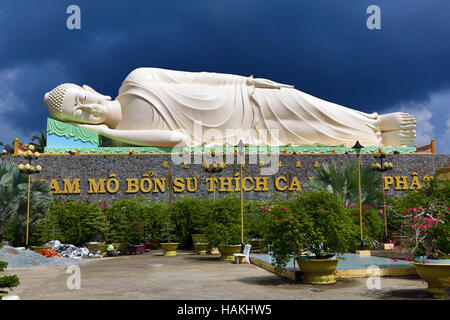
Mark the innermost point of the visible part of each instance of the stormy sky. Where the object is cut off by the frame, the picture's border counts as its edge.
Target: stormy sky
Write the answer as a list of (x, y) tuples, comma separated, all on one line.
[(322, 47)]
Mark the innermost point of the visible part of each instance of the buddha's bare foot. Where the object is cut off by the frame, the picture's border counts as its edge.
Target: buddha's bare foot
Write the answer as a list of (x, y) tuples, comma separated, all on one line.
[(398, 138), (397, 121)]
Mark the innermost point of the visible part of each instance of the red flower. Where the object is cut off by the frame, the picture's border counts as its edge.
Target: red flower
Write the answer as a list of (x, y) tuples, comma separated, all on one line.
[(284, 208), (282, 219)]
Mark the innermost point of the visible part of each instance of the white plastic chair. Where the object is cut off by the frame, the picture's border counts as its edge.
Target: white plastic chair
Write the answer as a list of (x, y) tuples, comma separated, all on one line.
[(244, 255)]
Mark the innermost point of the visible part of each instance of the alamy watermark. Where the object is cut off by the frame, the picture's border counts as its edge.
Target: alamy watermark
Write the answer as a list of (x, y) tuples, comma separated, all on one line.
[(374, 20), (73, 22), (74, 281), (374, 279)]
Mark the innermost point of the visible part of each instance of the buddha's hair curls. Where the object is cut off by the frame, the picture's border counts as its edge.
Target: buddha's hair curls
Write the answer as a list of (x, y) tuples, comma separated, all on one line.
[(55, 98)]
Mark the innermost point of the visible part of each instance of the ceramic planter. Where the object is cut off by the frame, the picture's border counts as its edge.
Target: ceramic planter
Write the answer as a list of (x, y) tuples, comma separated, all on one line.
[(121, 247), (3, 293), (432, 272), (156, 243), (196, 237), (200, 247), (226, 252), (170, 248), (318, 271), (135, 249), (148, 246), (94, 247)]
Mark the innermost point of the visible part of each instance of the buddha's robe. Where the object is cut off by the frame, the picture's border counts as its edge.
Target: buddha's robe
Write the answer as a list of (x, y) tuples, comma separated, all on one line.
[(223, 102)]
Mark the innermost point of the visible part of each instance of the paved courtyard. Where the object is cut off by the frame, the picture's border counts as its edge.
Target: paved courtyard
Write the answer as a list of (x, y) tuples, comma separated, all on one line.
[(190, 276)]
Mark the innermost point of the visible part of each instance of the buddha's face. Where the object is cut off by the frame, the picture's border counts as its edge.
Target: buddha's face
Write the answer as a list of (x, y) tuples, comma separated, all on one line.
[(81, 105)]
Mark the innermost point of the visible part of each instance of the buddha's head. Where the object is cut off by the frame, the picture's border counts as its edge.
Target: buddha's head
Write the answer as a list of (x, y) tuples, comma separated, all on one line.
[(72, 103)]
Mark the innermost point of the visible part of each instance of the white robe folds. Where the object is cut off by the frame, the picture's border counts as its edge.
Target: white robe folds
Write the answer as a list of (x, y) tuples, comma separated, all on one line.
[(258, 111)]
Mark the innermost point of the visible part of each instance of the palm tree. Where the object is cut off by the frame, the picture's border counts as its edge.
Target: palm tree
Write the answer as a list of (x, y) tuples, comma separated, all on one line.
[(14, 197), (9, 149), (42, 141), (343, 181)]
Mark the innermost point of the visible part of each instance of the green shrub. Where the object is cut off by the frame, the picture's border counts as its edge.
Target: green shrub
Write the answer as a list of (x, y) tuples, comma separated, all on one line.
[(373, 223), (73, 221), (188, 216), (7, 281), (422, 220), (254, 218), (125, 221), (224, 223), (315, 222), (154, 219)]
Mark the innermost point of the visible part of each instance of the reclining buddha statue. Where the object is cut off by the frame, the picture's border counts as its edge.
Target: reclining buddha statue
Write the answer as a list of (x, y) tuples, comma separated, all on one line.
[(158, 107)]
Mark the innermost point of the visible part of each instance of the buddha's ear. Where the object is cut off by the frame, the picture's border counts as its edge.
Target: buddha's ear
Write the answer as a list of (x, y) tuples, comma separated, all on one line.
[(86, 87)]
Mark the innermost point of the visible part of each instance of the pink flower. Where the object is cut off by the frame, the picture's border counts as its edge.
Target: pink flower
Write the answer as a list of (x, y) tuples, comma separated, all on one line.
[(381, 211), (390, 241), (284, 208), (385, 205), (282, 219), (426, 261), (366, 228), (395, 260)]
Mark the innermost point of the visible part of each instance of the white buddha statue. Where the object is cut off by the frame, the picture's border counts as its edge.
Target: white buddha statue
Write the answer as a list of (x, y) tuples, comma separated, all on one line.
[(158, 107)]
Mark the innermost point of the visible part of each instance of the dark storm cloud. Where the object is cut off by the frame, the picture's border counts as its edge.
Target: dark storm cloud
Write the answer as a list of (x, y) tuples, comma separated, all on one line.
[(321, 46)]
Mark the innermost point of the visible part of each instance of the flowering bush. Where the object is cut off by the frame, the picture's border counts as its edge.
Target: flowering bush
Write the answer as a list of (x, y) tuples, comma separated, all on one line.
[(312, 222), (425, 230), (422, 220)]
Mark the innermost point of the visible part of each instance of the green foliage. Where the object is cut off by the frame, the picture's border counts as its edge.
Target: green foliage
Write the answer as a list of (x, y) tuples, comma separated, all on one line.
[(155, 220), (254, 217), (224, 223), (14, 199), (74, 221), (125, 221), (41, 141), (343, 181), (422, 220), (7, 281), (188, 216), (315, 222), (372, 221)]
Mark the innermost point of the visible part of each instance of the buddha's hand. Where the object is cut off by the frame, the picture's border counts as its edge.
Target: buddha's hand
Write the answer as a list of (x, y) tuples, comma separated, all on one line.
[(99, 128)]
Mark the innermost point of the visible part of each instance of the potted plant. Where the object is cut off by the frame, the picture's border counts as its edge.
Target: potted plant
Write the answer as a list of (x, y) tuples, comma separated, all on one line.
[(169, 246), (154, 219), (135, 235), (223, 229), (7, 281), (426, 235), (313, 227)]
